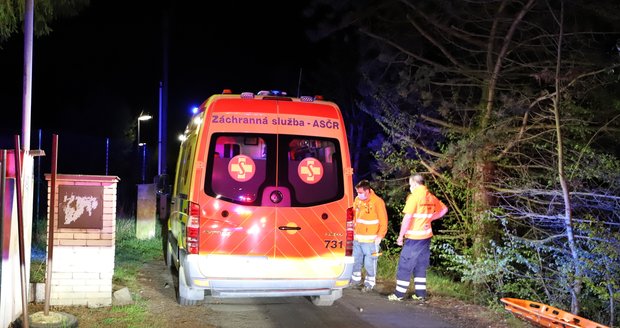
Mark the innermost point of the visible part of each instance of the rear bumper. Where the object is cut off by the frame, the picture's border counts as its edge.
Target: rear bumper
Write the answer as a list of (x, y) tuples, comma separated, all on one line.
[(247, 284), (270, 288)]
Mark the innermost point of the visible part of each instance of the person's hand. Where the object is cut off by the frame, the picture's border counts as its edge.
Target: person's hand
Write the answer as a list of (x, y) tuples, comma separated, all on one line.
[(399, 241)]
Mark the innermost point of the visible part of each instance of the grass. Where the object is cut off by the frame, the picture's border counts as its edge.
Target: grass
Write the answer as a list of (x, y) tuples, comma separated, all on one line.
[(39, 253), (437, 285), (127, 316), (387, 266), (130, 253), (37, 271)]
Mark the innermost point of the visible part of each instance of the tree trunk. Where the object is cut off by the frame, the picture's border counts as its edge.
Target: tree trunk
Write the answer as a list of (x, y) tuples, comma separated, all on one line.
[(575, 287)]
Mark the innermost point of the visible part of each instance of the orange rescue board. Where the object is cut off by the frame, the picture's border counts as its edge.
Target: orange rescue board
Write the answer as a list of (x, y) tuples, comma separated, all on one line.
[(543, 315)]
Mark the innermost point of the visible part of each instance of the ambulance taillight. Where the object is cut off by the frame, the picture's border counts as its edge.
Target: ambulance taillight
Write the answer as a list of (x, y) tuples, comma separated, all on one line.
[(350, 230), (193, 228)]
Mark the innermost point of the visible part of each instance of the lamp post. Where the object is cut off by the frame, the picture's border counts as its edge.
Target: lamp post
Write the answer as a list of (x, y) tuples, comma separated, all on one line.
[(142, 117)]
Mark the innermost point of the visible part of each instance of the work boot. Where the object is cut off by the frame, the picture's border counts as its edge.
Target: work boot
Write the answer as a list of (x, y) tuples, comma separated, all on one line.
[(393, 297), (356, 286), (419, 299), (366, 289)]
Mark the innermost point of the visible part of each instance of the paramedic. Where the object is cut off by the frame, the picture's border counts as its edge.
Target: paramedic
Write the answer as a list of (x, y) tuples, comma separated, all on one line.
[(370, 228), (421, 208)]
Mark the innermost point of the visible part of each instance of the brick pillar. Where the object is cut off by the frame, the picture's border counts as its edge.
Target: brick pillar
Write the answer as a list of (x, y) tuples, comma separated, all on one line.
[(84, 235)]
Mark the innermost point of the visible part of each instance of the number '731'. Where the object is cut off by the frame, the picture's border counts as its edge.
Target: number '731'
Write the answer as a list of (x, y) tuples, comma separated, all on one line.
[(333, 243)]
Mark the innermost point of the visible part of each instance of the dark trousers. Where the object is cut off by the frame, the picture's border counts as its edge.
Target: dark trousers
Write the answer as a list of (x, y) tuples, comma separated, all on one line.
[(414, 260)]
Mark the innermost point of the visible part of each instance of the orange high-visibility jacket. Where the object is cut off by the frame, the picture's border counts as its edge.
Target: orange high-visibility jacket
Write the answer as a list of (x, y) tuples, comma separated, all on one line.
[(370, 218), (422, 205)]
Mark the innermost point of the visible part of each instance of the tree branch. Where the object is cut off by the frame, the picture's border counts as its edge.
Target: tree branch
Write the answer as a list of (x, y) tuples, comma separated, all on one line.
[(499, 61)]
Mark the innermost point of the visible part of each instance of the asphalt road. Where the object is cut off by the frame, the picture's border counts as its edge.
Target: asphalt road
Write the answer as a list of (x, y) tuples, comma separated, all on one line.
[(354, 309)]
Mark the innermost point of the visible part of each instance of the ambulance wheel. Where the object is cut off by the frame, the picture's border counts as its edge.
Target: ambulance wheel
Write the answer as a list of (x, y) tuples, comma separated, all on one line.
[(185, 294), (326, 300)]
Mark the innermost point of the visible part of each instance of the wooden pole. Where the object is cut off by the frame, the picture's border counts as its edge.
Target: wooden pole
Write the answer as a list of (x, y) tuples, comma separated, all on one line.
[(50, 233)]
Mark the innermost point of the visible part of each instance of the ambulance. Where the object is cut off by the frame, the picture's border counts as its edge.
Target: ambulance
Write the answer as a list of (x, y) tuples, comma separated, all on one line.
[(261, 204)]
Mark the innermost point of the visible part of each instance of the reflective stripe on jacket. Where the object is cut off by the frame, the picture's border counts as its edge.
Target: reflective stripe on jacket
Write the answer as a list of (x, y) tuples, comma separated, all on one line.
[(370, 218), (422, 205)]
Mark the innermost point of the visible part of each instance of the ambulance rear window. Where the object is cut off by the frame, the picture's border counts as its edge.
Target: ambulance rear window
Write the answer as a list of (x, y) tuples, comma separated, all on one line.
[(241, 166)]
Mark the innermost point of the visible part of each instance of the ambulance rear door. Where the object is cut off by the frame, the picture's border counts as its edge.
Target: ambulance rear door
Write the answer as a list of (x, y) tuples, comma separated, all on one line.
[(311, 224)]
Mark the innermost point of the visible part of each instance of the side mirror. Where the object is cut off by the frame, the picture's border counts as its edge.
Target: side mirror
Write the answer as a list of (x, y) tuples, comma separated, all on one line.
[(162, 185), (162, 190)]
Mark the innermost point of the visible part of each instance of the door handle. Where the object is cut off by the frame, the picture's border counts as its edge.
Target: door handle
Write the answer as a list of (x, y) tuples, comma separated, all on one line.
[(289, 228)]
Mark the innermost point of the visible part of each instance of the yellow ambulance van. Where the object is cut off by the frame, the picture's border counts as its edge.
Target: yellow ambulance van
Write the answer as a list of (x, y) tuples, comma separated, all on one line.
[(262, 200)]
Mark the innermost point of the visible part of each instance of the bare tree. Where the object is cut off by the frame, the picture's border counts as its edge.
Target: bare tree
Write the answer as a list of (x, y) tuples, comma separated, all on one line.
[(575, 287), (496, 100)]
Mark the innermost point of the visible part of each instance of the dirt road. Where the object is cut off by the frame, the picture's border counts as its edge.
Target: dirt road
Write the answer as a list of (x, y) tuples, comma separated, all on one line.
[(354, 309)]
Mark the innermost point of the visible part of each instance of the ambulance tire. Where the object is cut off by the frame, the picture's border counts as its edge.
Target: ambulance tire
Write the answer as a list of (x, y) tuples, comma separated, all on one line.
[(185, 294), (326, 300)]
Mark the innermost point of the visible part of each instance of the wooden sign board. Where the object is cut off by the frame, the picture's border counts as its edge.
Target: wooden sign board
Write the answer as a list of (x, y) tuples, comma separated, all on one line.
[(80, 207)]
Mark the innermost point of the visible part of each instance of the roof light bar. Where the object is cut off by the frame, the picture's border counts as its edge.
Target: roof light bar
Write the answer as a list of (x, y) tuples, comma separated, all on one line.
[(276, 93), (247, 95)]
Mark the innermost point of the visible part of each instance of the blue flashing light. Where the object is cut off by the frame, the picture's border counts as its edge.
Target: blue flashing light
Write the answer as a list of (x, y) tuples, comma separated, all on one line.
[(194, 110)]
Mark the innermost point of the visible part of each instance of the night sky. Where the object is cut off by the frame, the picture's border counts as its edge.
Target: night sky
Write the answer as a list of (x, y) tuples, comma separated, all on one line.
[(96, 72)]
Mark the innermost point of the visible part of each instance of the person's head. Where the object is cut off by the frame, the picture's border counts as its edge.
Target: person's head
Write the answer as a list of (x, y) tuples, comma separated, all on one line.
[(415, 180), (363, 189)]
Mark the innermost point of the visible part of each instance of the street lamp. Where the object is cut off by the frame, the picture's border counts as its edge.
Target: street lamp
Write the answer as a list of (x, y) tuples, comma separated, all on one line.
[(143, 117)]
